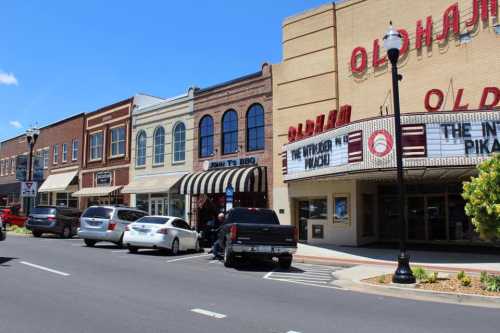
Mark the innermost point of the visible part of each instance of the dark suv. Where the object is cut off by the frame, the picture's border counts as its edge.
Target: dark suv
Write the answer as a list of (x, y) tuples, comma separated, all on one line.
[(61, 221)]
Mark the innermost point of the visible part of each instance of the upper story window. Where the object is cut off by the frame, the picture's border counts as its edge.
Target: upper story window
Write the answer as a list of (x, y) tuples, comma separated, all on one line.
[(2, 164), (74, 149), (95, 146), (159, 146), (117, 141), (55, 154), (140, 149), (255, 128), (230, 132), (179, 142), (64, 152), (45, 158), (13, 166), (206, 144)]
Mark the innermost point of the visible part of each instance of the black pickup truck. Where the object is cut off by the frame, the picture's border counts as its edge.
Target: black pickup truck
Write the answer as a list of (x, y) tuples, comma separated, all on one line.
[(256, 233)]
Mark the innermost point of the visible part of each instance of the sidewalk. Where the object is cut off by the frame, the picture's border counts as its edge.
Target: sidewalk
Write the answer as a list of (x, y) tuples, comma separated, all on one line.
[(448, 261)]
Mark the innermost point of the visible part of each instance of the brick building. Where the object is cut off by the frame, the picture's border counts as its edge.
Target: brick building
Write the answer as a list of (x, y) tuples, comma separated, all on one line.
[(58, 154), (232, 146), (107, 152)]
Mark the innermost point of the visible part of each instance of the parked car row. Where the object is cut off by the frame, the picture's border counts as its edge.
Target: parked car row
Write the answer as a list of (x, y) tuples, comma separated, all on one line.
[(245, 233)]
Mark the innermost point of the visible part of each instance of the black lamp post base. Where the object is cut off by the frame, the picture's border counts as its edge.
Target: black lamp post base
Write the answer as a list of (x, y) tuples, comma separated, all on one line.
[(403, 273)]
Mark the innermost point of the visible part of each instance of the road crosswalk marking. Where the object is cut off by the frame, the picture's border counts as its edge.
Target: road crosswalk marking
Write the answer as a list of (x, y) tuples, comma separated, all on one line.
[(305, 274)]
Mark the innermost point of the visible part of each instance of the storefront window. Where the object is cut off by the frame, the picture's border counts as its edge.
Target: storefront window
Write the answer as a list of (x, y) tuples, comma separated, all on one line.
[(142, 202), (43, 198), (341, 209), (318, 209), (177, 205), (66, 200)]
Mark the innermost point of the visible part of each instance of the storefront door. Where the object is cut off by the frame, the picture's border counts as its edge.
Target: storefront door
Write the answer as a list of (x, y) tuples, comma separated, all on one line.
[(416, 218), (303, 208), (158, 206), (436, 217)]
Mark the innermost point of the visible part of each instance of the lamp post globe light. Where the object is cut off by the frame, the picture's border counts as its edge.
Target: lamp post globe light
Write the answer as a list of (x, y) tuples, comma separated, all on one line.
[(392, 43), (31, 137)]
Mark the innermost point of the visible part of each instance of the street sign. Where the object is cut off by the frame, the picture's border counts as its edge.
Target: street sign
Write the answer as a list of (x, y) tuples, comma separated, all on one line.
[(29, 189), (21, 167), (229, 197)]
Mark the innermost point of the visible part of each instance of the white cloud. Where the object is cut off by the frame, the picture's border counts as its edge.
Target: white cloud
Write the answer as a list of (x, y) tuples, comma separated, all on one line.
[(15, 124), (7, 79)]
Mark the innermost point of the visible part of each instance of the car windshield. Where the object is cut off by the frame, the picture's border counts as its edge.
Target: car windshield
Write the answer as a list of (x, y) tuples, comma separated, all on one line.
[(253, 216), (43, 211), (98, 212), (152, 220)]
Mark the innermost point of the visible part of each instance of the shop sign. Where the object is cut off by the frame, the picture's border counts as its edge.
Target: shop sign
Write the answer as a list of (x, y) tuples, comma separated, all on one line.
[(38, 168), (29, 189), (243, 161), (313, 127), (104, 178), (451, 21), (480, 138), (434, 99)]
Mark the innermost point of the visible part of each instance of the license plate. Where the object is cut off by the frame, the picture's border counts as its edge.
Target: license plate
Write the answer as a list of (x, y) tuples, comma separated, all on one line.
[(263, 248)]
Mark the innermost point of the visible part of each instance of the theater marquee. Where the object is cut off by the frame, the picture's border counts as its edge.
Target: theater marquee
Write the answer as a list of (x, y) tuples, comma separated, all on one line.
[(429, 140)]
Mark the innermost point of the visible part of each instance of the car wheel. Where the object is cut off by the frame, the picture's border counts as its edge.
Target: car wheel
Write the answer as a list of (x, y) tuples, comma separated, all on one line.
[(66, 232), (36, 233), (132, 249), (228, 258), (285, 263), (120, 242), (175, 247), (89, 242)]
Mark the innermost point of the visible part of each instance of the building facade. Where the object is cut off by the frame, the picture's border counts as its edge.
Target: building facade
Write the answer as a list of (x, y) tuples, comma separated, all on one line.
[(162, 152), (232, 152), (107, 152), (57, 158), (334, 124)]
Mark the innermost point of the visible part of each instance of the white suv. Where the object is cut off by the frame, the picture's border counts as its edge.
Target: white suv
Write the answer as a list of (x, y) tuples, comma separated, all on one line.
[(106, 223)]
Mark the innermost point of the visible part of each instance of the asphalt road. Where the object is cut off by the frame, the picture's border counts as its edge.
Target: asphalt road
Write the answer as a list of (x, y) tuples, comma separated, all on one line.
[(54, 285)]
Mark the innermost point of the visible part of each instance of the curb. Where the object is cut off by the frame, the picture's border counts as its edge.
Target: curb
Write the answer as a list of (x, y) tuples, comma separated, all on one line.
[(427, 295), (329, 261)]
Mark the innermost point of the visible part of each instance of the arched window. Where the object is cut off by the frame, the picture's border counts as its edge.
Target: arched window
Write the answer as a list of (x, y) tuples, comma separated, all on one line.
[(230, 132), (206, 136), (159, 146), (255, 128), (179, 142), (140, 158)]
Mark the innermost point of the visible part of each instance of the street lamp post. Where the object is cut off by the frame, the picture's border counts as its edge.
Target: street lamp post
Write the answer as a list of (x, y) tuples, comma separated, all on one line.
[(31, 137), (392, 43)]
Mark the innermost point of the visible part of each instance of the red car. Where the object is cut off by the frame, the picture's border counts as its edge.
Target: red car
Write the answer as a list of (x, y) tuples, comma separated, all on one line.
[(10, 215)]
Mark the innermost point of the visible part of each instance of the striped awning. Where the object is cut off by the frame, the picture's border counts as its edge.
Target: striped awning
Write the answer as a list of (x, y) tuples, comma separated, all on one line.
[(249, 179)]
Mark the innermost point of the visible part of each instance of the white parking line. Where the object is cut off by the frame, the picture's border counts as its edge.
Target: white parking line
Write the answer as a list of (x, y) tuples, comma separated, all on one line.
[(209, 313), (119, 251), (44, 268), (292, 332), (191, 257)]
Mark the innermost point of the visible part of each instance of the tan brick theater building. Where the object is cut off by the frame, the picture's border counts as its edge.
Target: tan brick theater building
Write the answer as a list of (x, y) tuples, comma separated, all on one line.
[(334, 167)]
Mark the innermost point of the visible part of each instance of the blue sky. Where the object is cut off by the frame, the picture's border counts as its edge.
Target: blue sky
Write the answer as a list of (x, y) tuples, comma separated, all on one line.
[(59, 58)]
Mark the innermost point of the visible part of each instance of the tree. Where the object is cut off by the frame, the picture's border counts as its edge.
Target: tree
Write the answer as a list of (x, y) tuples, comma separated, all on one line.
[(482, 196)]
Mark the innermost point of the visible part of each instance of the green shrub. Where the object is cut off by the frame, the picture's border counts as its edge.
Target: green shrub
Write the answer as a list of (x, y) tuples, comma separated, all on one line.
[(483, 277), (433, 277), (381, 279), (420, 273), (466, 281), (491, 283), (482, 196), (461, 275)]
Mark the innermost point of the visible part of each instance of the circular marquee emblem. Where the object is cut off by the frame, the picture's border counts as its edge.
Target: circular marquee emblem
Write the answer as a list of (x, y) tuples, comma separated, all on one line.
[(380, 143)]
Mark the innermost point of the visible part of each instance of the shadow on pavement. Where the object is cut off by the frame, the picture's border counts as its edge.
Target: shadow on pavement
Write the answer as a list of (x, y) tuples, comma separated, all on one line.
[(4, 260)]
